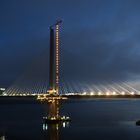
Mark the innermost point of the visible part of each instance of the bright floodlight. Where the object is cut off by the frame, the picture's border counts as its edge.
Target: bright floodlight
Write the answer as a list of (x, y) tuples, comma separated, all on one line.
[(114, 93), (99, 93), (107, 93), (132, 93), (122, 93), (91, 93)]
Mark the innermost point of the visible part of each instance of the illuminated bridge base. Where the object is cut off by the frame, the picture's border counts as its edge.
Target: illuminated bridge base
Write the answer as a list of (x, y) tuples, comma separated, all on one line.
[(46, 97)]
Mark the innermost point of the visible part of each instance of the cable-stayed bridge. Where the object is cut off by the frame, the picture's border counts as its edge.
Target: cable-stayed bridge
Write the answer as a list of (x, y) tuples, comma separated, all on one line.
[(74, 88), (43, 78)]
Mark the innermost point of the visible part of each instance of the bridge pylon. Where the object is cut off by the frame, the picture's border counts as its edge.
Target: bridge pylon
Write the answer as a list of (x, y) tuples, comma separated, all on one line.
[(53, 87), (54, 59)]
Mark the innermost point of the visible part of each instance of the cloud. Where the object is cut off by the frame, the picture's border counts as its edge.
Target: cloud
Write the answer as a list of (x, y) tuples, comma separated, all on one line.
[(95, 55), (99, 39)]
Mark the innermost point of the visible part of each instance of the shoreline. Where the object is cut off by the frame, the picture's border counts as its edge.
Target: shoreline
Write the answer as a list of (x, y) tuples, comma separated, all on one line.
[(74, 97)]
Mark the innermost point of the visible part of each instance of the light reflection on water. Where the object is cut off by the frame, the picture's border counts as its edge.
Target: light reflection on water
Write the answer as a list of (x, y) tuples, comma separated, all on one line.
[(91, 119), (53, 130)]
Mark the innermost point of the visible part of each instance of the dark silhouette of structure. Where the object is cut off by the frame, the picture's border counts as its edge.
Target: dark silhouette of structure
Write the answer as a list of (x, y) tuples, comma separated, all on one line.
[(51, 70)]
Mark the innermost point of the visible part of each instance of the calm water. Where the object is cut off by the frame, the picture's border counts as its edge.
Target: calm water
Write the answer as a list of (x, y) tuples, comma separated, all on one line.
[(96, 119)]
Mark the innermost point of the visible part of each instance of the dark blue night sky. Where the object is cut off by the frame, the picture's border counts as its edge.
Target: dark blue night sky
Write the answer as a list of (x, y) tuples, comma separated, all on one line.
[(100, 39)]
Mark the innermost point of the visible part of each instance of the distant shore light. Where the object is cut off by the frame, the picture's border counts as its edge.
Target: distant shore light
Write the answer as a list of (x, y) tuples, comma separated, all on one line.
[(2, 89)]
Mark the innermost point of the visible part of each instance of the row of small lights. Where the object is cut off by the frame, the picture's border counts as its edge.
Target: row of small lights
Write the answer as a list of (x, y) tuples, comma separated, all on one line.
[(28, 94), (106, 93), (81, 94)]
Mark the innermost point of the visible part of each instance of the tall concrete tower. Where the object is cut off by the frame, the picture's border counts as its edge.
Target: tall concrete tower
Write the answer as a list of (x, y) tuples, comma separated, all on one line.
[(54, 59)]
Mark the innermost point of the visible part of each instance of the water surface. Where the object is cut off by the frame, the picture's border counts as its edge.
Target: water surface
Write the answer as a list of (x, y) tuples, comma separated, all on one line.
[(92, 119)]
